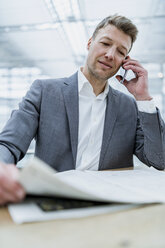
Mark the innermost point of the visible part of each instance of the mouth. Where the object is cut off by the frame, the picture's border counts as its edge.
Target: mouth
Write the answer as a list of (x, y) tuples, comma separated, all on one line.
[(105, 65)]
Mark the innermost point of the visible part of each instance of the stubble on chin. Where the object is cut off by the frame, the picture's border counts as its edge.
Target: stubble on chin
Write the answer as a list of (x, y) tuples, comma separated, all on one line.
[(99, 76)]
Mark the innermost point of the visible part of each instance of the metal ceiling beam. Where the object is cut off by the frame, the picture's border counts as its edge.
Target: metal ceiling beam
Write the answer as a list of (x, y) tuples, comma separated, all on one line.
[(51, 25)]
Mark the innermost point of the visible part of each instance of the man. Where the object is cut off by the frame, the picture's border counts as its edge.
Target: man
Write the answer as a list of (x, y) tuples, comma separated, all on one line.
[(81, 122)]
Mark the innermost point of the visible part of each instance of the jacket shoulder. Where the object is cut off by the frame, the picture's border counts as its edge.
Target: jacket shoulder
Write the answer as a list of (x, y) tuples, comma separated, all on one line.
[(50, 82), (56, 82), (123, 96)]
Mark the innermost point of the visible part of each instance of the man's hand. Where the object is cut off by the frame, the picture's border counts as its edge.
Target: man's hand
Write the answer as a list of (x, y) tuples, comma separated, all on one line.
[(10, 189), (137, 86)]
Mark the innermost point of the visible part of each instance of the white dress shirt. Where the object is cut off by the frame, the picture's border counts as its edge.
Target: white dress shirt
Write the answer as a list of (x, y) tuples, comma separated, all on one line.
[(91, 123)]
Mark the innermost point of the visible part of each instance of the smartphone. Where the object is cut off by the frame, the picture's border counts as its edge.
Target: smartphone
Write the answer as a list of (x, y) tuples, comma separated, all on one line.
[(126, 74)]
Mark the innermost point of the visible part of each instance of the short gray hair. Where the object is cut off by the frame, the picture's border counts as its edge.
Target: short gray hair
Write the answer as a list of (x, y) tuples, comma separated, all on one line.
[(122, 23)]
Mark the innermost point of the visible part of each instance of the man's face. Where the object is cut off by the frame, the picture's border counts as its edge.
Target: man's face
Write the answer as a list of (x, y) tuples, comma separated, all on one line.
[(107, 52)]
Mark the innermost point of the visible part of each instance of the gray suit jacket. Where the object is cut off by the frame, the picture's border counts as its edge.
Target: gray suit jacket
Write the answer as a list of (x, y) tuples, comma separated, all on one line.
[(50, 113)]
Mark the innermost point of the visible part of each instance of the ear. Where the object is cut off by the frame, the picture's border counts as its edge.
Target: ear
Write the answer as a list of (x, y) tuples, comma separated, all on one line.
[(127, 57), (89, 43)]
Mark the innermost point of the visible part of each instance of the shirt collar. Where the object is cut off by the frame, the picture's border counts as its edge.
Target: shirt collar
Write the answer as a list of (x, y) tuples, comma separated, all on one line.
[(83, 82)]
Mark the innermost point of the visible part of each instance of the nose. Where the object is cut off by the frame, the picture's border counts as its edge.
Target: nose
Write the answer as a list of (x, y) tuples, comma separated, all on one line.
[(110, 54)]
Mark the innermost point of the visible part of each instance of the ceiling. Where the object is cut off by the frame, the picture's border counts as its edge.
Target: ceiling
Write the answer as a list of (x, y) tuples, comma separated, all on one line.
[(52, 34)]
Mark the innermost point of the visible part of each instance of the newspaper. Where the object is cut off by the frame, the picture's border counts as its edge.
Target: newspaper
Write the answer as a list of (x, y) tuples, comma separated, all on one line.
[(131, 186), (125, 189)]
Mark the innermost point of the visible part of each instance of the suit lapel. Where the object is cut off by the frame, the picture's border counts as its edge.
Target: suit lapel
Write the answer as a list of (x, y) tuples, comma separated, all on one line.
[(110, 119), (70, 93)]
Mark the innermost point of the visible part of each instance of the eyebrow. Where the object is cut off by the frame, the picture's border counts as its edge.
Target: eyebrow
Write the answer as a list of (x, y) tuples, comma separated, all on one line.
[(112, 40)]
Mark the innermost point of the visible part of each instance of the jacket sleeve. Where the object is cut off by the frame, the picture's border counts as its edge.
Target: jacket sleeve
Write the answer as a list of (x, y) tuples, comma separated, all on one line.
[(21, 128), (150, 139)]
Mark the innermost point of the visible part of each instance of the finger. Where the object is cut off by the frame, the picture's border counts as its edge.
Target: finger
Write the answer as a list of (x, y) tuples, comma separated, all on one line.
[(6, 197), (132, 62), (11, 190), (8, 175), (136, 69), (11, 196), (128, 59), (18, 190)]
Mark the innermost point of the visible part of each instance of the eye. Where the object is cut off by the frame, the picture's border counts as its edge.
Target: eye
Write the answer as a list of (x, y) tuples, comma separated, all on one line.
[(105, 44), (121, 53)]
